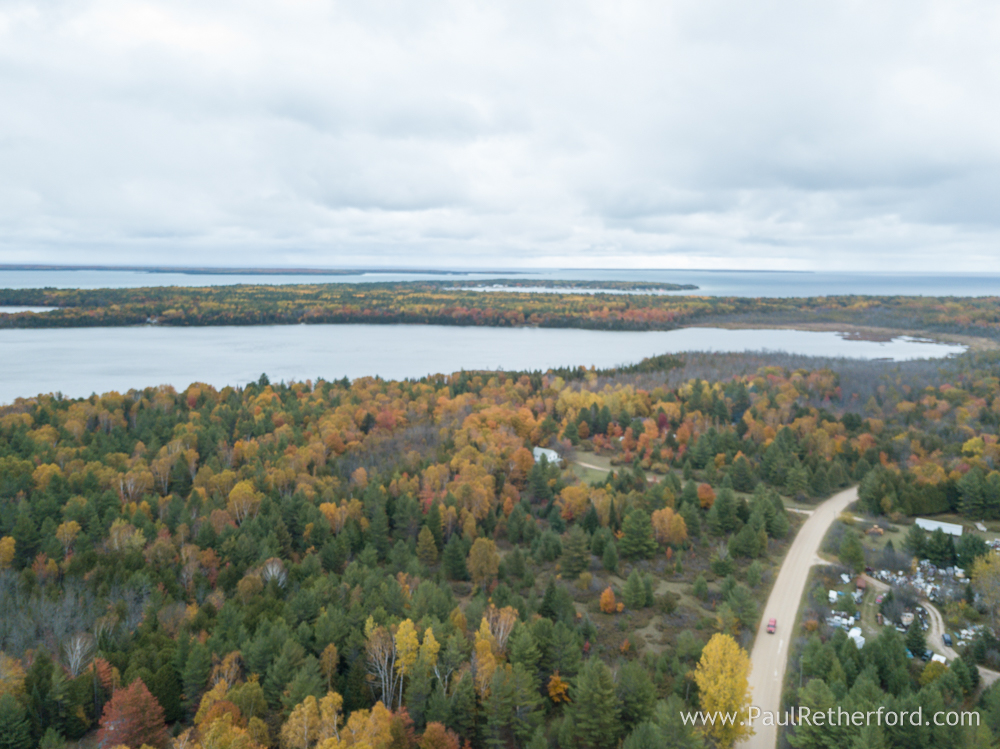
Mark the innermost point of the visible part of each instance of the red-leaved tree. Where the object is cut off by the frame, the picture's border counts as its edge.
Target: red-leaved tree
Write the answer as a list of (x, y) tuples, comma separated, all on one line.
[(133, 717)]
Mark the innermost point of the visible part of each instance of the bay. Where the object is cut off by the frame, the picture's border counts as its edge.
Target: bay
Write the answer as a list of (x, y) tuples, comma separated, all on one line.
[(81, 361), (710, 283)]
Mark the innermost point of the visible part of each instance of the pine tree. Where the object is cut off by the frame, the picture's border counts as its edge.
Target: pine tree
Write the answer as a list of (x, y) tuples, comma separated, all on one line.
[(609, 559), (454, 559), (818, 484), (915, 639), (634, 593), (378, 530), (940, 548), (743, 480), (166, 688), (852, 553), (575, 553), (433, 523), (524, 651), (689, 511), (914, 541), (594, 710), (635, 692), (195, 677), (15, 732), (637, 541)]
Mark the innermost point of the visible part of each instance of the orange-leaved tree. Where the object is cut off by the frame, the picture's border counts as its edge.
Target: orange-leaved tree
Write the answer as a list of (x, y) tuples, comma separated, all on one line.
[(133, 717), (608, 604)]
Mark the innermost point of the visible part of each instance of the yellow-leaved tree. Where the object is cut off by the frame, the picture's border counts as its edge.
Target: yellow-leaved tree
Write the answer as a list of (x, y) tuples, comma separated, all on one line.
[(986, 582), (722, 677), (7, 546)]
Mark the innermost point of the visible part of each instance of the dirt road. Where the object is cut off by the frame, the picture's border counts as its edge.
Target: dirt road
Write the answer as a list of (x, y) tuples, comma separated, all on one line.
[(770, 652), (934, 632), (936, 643)]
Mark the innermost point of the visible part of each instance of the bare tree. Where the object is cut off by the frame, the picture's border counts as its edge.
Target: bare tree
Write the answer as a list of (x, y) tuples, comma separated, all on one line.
[(78, 651)]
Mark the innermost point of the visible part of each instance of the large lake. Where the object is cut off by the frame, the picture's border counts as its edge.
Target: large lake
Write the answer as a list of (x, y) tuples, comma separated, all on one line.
[(709, 283), (81, 361)]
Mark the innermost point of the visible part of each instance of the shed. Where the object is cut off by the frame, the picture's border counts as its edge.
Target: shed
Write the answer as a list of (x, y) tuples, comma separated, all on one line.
[(952, 529), (861, 583)]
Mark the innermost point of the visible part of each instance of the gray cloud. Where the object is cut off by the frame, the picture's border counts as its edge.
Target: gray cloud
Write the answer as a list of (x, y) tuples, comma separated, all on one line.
[(839, 135)]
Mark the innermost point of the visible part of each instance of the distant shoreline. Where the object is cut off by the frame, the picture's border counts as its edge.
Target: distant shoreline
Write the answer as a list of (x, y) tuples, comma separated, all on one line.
[(862, 332), (196, 271)]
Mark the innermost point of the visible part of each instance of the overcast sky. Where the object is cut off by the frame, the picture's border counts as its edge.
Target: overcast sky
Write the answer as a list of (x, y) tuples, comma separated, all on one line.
[(701, 134)]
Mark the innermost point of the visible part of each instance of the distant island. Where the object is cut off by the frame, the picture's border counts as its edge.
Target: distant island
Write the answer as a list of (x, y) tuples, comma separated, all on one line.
[(594, 305)]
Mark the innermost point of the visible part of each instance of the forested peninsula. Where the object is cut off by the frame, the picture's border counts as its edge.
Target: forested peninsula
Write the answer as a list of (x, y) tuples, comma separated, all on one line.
[(379, 564), (598, 306)]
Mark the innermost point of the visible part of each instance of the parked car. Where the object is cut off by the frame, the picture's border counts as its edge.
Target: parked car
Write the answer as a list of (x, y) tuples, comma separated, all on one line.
[(947, 639), (928, 654), (772, 625)]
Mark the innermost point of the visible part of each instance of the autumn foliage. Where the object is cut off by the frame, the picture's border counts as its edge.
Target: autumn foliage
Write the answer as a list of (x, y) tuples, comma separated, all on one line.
[(133, 718), (608, 603)]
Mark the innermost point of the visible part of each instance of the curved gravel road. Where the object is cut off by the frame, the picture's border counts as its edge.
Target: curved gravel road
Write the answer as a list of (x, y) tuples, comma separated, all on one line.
[(770, 652)]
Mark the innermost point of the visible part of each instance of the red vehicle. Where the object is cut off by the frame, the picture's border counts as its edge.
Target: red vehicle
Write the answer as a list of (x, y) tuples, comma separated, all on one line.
[(772, 625)]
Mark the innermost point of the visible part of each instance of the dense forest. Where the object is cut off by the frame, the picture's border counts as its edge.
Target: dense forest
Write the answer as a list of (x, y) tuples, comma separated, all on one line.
[(435, 302), (386, 564)]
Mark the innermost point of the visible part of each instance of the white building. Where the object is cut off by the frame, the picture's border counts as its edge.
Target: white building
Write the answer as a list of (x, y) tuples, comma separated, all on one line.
[(550, 455), (952, 529)]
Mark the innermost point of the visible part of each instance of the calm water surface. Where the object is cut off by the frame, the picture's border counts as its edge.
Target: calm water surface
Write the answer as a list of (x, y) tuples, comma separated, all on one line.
[(711, 283), (78, 362)]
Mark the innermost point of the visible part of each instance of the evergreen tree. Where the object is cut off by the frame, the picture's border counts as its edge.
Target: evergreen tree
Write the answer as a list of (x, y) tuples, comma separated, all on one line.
[(940, 548), (15, 732), (818, 484), (852, 553), (637, 541), (281, 672), (635, 592), (972, 494), (594, 710), (591, 522), (915, 640), (689, 511), (432, 522), (700, 587), (377, 534), (462, 712), (524, 651), (166, 688), (454, 559), (969, 548), (742, 473), (308, 682), (725, 506), (609, 559), (195, 677), (575, 553), (914, 541), (498, 706), (797, 481), (572, 433), (636, 693)]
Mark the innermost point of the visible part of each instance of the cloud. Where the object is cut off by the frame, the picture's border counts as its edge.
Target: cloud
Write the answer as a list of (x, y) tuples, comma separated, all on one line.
[(687, 134)]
